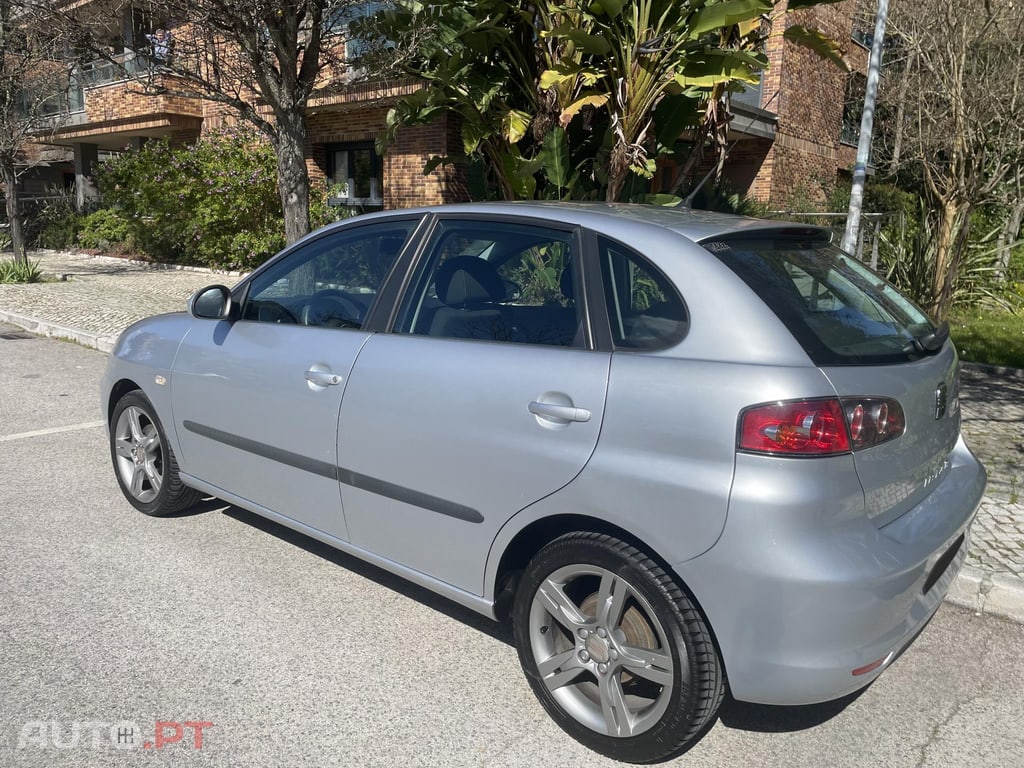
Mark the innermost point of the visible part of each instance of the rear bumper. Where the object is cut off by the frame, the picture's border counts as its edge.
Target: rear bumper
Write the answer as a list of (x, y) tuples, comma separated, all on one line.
[(801, 592)]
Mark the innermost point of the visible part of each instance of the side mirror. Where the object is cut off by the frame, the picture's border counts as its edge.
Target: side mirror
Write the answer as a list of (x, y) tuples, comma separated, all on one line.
[(212, 303)]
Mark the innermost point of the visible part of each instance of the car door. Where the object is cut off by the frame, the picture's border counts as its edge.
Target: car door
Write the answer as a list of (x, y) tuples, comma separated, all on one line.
[(256, 401), (484, 399)]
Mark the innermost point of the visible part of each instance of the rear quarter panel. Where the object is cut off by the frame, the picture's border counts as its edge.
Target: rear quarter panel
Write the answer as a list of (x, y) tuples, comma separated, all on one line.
[(664, 463)]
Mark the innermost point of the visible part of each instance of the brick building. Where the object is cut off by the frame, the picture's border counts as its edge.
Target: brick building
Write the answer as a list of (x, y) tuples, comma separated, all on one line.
[(812, 145), (788, 132)]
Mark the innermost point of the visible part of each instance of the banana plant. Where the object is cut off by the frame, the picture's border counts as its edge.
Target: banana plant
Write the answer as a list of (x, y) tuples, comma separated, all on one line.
[(570, 98), (655, 53)]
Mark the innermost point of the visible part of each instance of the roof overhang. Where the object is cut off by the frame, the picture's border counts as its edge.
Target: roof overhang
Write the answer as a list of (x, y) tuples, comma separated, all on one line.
[(115, 134)]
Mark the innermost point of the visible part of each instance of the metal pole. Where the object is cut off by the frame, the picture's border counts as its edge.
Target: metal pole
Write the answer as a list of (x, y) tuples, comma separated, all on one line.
[(866, 123)]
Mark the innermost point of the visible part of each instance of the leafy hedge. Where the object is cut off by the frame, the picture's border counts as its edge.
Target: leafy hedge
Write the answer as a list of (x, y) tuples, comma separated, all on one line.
[(214, 202)]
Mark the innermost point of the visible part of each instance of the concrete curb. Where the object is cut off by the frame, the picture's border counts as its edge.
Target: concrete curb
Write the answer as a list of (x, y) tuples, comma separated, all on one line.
[(994, 594), (55, 331), (152, 265), (994, 370)]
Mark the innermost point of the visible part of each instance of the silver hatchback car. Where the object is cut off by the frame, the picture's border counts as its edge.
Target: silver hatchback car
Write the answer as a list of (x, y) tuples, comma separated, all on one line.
[(680, 450)]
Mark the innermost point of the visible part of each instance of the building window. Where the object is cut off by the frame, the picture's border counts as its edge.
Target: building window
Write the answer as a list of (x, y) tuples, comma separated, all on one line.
[(340, 18), (354, 172), (853, 108), (863, 32)]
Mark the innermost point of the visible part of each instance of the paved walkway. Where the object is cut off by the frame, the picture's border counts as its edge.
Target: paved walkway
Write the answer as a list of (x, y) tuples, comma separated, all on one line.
[(99, 296)]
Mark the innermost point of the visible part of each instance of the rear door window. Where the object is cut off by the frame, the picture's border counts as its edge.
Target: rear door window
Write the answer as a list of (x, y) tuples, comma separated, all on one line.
[(496, 281), (838, 309)]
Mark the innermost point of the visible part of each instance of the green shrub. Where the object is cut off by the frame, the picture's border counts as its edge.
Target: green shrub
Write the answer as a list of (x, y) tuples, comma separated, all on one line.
[(106, 229), (214, 202), (20, 272), (54, 224), (723, 198)]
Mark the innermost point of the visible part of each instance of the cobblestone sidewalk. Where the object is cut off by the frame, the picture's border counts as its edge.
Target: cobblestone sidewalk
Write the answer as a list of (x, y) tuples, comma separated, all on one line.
[(993, 426), (94, 298), (100, 296)]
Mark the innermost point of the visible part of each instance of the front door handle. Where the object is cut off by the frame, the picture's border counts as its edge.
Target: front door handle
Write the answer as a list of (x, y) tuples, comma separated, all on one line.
[(559, 413), (321, 378)]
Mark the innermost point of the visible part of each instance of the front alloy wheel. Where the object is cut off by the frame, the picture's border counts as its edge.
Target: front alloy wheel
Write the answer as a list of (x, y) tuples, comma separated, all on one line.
[(614, 650), (143, 461)]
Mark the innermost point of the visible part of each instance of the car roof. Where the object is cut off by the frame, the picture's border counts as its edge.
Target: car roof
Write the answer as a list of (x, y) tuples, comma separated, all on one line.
[(695, 225)]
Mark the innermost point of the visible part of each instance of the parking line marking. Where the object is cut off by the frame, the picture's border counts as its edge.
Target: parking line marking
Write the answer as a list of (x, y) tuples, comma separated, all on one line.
[(50, 431)]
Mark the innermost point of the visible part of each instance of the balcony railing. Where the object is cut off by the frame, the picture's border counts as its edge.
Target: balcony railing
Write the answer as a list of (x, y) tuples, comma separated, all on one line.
[(121, 68), (69, 107)]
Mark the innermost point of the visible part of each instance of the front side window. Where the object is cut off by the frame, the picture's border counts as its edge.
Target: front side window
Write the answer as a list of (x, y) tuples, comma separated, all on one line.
[(496, 282), (331, 281), (645, 311), (840, 311)]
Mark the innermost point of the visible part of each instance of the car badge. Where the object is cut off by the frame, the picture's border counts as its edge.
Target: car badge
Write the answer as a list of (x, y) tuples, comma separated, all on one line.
[(941, 397)]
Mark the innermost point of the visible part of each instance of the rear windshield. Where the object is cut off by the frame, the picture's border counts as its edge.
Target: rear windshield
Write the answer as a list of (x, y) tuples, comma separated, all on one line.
[(838, 309)]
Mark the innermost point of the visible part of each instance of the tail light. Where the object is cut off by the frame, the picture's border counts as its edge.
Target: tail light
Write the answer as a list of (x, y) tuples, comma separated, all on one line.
[(821, 426)]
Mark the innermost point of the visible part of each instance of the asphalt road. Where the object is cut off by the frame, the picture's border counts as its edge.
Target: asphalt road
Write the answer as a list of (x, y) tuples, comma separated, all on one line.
[(280, 652)]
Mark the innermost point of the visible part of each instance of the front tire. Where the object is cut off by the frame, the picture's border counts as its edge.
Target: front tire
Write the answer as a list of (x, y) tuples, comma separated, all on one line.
[(615, 651), (144, 463)]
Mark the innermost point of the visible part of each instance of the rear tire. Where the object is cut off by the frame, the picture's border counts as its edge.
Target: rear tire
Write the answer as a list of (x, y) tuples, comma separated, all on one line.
[(144, 463), (614, 650)]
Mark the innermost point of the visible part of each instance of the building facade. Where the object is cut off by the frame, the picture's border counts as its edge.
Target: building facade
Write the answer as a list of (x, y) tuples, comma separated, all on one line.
[(788, 133)]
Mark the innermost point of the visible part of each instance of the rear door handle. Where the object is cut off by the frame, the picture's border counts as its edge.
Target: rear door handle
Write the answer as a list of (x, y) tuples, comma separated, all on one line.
[(565, 413)]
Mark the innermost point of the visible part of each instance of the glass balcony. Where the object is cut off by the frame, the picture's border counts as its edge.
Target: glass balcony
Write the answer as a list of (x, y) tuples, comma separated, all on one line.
[(121, 68)]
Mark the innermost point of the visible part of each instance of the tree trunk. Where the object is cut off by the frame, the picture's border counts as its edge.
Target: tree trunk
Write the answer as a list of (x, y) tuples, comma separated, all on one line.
[(618, 170), (10, 181), (1011, 230), (948, 244), (901, 107), (292, 176)]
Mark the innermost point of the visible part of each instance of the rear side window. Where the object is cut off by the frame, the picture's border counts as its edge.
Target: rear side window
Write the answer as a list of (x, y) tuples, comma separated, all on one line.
[(645, 310), (840, 311)]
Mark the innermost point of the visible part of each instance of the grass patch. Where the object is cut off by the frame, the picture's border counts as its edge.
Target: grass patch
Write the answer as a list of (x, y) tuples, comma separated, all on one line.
[(989, 337), (12, 271)]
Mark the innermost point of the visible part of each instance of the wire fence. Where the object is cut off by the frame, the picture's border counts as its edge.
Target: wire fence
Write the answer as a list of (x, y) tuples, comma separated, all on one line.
[(868, 237)]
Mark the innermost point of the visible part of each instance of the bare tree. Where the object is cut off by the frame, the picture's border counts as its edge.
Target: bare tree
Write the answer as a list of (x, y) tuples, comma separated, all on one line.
[(32, 81), (960, 113)]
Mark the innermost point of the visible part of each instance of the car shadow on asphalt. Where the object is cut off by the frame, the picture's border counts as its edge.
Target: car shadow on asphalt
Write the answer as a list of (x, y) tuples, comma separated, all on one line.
[(764, 718), (498, 630), (734, 714), (207, 504)]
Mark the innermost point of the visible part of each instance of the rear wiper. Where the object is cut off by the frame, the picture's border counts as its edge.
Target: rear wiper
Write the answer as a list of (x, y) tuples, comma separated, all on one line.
[(931, 342)]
